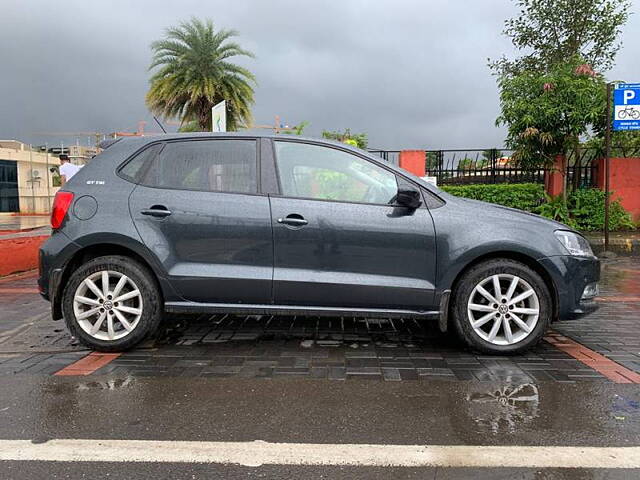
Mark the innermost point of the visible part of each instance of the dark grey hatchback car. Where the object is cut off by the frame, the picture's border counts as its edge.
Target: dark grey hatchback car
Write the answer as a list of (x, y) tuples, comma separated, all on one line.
[(287, 225)]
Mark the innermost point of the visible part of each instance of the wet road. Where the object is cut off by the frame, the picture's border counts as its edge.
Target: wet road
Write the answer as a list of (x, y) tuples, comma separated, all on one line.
[(291, 410), (301, 411)]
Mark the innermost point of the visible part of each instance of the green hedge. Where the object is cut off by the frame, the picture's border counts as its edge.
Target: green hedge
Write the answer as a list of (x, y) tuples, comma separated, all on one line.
[(584, 209), (525, 196)]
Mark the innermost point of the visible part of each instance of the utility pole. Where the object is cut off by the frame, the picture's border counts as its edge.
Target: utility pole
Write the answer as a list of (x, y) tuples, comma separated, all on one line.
[(607, 154)]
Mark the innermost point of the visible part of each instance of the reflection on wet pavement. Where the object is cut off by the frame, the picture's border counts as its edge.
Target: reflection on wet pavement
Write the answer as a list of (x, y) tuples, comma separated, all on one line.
[(505, 408)]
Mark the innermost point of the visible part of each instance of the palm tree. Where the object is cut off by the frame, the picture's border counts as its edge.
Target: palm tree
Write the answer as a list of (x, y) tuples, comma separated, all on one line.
[(195, 73)]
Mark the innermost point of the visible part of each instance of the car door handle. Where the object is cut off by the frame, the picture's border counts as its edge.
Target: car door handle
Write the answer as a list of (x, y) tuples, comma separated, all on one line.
[(156, 211), (293, 220)]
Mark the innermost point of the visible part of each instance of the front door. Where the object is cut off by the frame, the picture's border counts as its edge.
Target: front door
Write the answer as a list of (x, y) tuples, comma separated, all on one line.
[(198, 209), (338, 240)]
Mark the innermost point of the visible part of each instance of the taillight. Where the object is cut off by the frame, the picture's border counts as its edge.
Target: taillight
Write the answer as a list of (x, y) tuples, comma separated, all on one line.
[(61, 204)]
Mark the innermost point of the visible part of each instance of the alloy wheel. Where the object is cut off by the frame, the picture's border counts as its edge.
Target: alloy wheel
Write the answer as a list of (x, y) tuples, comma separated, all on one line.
[(107, 305), (503, 309)]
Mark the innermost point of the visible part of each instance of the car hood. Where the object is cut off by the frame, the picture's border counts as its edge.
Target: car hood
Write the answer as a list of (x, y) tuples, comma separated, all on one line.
[(493, 211)]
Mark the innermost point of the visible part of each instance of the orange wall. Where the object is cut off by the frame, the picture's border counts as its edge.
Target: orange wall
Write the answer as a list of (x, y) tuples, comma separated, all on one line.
[(19, 254), (624, 182), (413, 161)]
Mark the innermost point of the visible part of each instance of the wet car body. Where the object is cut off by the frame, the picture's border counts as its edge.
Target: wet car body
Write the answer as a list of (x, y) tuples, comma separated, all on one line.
[(264, 252)]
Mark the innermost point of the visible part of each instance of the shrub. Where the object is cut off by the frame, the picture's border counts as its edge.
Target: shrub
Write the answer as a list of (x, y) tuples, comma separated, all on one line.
[(586, 207), (556, 209), (524, 196)]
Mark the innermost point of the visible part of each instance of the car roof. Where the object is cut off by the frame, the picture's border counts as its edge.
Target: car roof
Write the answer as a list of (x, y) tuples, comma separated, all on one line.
[(183, 136)]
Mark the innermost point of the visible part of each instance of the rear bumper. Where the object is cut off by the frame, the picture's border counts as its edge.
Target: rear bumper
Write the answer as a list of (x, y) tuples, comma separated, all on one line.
[(53, 256), (571, 275)]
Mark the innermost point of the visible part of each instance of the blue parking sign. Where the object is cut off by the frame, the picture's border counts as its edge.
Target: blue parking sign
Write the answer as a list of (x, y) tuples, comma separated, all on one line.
[(626, 106)]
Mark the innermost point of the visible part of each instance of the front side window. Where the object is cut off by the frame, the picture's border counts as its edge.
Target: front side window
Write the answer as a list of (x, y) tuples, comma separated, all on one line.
[(206, 165), (323, 173)]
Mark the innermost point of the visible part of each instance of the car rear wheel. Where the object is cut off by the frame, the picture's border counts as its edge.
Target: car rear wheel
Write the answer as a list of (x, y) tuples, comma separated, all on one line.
[(501, 306), (112, 303)]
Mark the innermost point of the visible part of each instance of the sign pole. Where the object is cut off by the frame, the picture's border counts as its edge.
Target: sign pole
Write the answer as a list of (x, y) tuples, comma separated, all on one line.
[(219, 117), (607, 154)]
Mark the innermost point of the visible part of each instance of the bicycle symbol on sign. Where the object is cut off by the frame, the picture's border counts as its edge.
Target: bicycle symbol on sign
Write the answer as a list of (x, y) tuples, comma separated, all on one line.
[(629, 112)]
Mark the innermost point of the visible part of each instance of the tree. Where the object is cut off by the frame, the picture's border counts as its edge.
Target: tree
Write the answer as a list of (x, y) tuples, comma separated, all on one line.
[(623, 143), (433, 160), (547, 113), (553, 31), (296, 129), (491, 154), (355, 139), (194, 73)]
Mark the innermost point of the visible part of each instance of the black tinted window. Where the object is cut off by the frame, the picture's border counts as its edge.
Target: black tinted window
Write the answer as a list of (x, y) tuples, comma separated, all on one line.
[(135, 167), (207, 165), (432, 200)]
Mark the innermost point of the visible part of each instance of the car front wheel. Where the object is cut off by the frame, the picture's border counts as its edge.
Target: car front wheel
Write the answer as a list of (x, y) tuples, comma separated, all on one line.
[(111, 303), (501, 306)]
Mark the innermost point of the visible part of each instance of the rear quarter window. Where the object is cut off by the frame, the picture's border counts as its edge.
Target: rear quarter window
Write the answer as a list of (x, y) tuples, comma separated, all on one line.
[(135, 168)]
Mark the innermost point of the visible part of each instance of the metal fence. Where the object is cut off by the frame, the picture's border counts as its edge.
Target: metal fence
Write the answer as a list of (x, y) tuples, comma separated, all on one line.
[(391, 156), (492, 166)]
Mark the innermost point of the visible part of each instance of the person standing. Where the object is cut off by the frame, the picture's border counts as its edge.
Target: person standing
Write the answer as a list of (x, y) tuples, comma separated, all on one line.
[(67, 169)]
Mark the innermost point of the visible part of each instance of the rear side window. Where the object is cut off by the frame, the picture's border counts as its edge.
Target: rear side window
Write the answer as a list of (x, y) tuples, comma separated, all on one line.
[(134, 168), (205, 165)]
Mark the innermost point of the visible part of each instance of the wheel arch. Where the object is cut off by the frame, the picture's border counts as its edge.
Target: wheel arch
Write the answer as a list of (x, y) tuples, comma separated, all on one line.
[(529, 261), (96, 250)]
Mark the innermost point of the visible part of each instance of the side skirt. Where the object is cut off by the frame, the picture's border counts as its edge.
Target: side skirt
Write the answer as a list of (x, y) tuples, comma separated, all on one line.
[(244, 309)]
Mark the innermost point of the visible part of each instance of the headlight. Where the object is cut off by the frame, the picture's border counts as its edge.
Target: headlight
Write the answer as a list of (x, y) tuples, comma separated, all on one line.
[(574, 243)]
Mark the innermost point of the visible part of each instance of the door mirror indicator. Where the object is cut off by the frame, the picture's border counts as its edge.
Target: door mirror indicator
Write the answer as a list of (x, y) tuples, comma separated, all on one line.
[(408, 197)]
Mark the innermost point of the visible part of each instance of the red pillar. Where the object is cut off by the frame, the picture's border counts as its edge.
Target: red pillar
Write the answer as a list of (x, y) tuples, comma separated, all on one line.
[(624, 182), (414, 161), (554, 180)]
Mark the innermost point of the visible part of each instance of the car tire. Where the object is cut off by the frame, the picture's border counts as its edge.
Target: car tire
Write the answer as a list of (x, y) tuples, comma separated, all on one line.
[(115, 312), (495, 323)]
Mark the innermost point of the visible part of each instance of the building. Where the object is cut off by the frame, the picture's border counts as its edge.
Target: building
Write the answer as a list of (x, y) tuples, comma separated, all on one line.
[(27, 184), (78, 154)]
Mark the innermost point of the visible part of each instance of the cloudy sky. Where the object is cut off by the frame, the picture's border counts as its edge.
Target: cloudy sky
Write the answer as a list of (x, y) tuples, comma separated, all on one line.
[(411, 74)]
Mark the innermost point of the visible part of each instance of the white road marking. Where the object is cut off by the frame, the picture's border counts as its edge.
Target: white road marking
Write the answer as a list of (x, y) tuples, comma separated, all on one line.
[(260, 453)]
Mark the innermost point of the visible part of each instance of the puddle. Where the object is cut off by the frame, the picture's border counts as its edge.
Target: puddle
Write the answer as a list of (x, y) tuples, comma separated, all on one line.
[(504, 409), (112, 384)]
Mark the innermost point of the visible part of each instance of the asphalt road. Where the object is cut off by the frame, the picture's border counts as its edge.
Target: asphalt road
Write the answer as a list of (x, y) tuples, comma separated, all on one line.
[(42, 408), (312, 398)]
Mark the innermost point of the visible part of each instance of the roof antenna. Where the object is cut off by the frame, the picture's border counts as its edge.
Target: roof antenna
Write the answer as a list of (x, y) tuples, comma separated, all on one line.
[(158, 122)]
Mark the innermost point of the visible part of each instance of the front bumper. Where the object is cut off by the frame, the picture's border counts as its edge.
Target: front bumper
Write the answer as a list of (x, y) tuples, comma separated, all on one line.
[(571, 275)]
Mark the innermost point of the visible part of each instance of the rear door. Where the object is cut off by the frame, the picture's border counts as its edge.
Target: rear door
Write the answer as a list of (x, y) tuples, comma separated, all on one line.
[(338, 240), (199, 209)]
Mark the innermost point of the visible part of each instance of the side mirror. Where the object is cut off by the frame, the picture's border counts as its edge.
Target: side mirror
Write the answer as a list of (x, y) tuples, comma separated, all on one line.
[(408, 197)]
